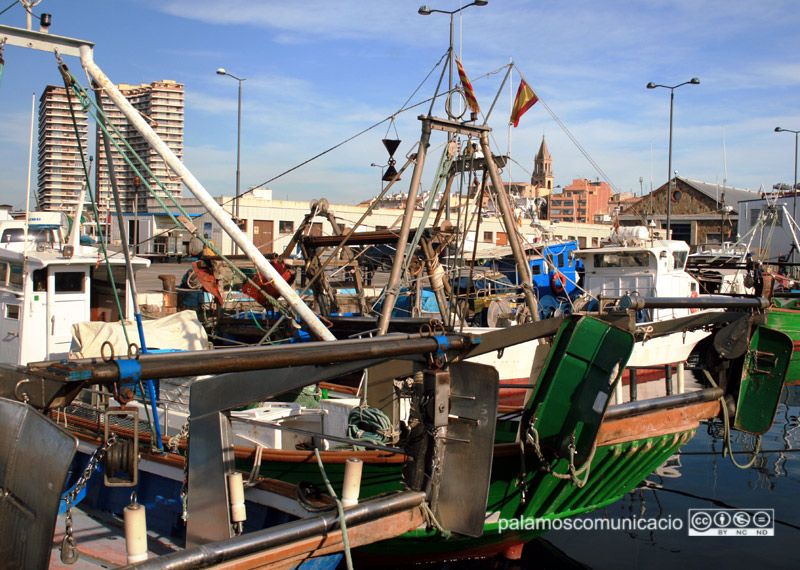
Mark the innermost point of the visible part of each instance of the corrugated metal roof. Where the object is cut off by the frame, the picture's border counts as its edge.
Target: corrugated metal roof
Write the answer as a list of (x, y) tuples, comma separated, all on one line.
[(732, 196)]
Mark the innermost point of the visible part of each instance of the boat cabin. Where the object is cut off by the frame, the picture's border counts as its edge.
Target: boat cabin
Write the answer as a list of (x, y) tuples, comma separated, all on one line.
[(46, 287), (548, 264), (722, 268), (654, 270)]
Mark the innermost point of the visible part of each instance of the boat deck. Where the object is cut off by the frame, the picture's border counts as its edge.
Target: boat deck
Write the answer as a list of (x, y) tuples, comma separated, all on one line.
[(100, 538)]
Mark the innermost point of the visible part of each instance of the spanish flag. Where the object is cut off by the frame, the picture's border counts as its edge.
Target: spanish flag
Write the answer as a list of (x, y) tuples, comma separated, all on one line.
[(524, 101), (469, 94)]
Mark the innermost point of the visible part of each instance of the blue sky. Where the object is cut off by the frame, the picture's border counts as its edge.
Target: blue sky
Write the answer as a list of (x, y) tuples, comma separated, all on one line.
[(319, 71)]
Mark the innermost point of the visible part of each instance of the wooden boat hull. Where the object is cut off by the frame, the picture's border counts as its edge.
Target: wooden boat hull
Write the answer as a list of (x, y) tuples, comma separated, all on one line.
[(628, 450)]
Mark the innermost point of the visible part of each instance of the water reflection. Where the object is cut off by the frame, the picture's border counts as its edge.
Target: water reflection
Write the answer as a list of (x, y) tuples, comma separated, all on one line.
[(697, 478), (700, 477)]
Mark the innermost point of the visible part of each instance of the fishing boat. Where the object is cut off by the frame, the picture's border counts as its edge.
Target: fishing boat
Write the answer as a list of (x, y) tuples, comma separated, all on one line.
[(750, 267), (725, 268), (633, 264), (565, 451)]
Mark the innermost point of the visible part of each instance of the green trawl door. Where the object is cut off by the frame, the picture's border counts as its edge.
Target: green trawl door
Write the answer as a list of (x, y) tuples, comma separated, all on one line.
[(765, 368), (571, 397)]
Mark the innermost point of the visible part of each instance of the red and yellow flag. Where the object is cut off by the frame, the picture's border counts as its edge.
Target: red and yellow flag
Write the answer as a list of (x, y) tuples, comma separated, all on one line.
[(469, 94), (524, 101)]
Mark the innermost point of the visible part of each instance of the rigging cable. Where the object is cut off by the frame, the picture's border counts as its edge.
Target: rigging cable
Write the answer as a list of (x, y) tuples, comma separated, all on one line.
[(389, 118), (571, 136)]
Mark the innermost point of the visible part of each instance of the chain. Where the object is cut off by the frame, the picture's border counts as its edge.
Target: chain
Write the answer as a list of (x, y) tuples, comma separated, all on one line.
[(573, 474), (173, 442), (172, 445), (69, 548)]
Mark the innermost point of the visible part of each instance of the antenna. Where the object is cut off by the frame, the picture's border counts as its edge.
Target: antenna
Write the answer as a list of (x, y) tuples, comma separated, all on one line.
[(724, 159)]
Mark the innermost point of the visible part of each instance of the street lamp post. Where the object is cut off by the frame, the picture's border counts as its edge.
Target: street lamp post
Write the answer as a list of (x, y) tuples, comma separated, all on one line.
[(794, 188), (427, 11), (221, 71), (382, 167), (651, 85)]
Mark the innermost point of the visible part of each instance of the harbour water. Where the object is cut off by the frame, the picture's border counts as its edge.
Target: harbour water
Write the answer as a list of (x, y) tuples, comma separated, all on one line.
[(700, 478)]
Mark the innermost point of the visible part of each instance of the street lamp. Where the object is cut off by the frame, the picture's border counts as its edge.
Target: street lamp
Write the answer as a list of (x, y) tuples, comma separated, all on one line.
[(651, 85), (427, 11), (794, 188), (221, 71), (382, 167)]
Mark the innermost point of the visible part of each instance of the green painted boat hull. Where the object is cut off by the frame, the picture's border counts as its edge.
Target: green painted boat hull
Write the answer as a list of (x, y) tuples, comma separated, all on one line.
[(569, 403)]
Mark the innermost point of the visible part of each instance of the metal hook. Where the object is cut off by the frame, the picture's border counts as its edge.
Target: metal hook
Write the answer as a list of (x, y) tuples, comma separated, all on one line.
[(69, 552)]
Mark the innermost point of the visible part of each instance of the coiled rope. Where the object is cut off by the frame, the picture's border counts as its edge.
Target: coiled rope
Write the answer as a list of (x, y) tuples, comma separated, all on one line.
[(370, 425)]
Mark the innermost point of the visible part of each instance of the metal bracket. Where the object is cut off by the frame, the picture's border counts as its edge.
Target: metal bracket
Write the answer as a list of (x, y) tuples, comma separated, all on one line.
[(439, 359), (437, 383), (122, 458)]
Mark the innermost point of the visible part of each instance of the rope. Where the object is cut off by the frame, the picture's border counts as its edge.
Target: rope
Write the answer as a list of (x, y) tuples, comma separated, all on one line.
[(89, 105), (431, 522), (572, 473), (6, 9), (69, 83), (345, 540), (2, 45), (370, 425), (726, 442)]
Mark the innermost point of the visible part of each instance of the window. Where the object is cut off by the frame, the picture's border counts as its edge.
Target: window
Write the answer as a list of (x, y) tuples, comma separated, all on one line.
[(16, 235), (40, 280), (69, 282), (14, 276), (680, 259), (12, 312), (285, 227), (488, 237), (621, 260)]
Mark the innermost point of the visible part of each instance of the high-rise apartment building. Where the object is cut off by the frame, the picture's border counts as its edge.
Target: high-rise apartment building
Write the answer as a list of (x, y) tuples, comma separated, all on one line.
[(161, 104), (60, 170), (61, 173)]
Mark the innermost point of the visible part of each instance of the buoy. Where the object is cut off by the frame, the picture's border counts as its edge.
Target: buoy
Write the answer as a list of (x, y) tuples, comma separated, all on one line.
[(352, 481), (135, 531), (557, 282), (694, 295), (236, 494)]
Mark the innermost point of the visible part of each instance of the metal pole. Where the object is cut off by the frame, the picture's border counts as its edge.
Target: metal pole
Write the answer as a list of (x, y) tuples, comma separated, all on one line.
[(669, 168), (238, 159), (794, 188), (402, 241), (261, 541), (208, 202), (450, 94), (520, 257), (154, 366)]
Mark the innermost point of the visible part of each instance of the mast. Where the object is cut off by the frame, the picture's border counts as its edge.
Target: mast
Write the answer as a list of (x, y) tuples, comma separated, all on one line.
[(68, 46), (393, 287), (215, 210)]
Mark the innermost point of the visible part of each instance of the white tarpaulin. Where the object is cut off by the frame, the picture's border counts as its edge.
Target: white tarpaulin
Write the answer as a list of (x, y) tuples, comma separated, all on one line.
[(181, 331)]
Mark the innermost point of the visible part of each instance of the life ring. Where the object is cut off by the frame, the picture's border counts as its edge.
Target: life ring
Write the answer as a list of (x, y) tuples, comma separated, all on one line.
[(557, 282), (694, 295)]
